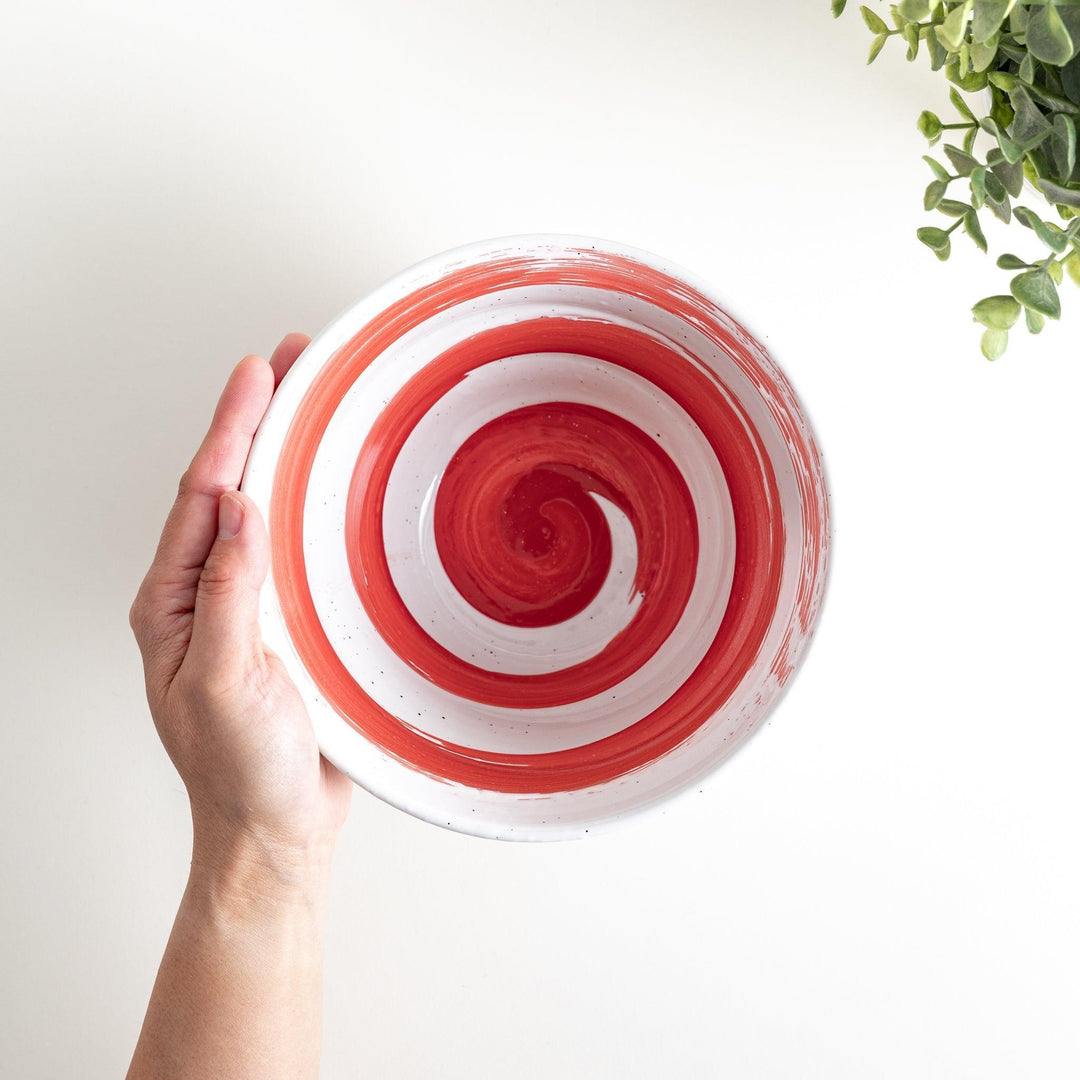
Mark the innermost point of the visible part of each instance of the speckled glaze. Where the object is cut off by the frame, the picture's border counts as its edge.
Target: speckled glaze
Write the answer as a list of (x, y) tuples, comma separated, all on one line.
[(549, 534)]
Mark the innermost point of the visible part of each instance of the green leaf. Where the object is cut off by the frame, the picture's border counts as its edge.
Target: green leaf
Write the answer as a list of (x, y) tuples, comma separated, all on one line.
[(1009, 149), (943, 253), (1051, 237), (1003, 80), (1047, 37), (953, 208), (987, 17), (963, 163), (978, 186), (1027, 69), (838, 7), (997, 312), (1055, 271), (973, 82), (1029, 218), (1035, 322), (876, 24), (929, 125), (1036, 290), (983, 54), (1050, 98), (1010, 175), (960, 105), (934, 239), (970, 81), (875, 47), (995, 189), (1012, 262), (911, 36), (1029, 126), (936, 167), (934, 193), (1072, 266), (938, 53), (1000, 109), (1050, 83), (1063, 143), (1002, 208), (1058, 194), (1070, 80), (969, 139), (974, 230), (994, 343), (915, 10), (951, 32)]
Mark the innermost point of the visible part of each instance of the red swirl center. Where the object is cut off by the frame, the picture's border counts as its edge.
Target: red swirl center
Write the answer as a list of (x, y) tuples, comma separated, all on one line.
[(520, 532)]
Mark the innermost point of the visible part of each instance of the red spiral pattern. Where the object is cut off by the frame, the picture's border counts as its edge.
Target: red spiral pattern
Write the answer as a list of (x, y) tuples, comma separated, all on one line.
[(652, 494), (524, 542)]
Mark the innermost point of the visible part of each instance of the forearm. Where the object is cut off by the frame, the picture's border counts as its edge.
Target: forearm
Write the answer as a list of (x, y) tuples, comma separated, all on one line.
[(239, 991)]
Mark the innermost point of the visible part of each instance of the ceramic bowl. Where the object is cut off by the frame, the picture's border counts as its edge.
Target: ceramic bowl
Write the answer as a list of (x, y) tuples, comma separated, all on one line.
[(549, 534)]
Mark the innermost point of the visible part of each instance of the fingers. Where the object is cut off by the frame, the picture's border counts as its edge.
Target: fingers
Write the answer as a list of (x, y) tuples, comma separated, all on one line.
[(225, 634), (291, 346), (161, 614), (217, 467)]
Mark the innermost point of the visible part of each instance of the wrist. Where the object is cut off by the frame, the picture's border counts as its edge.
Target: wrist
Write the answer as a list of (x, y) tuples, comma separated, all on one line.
[(247, 871)]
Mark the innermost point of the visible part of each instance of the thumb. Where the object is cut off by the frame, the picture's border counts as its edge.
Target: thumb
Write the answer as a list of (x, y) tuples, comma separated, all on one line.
[(225, 634)]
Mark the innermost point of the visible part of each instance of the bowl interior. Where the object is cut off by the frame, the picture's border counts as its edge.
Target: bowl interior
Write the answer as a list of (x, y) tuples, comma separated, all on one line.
[(548, 535)]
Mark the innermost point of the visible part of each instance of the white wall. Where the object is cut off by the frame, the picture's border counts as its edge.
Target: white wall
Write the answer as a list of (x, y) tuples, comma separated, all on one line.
[(884, 883)]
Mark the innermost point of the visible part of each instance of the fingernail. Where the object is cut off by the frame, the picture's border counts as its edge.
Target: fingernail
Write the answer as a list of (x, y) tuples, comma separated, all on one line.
[(230, 516)]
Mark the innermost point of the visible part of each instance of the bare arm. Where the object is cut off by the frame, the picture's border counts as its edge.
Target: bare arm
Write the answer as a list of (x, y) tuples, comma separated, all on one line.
[(239, 990)]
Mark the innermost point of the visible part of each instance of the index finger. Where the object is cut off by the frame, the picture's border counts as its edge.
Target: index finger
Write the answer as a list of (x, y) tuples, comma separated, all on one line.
[(285, 355), (217, 467)]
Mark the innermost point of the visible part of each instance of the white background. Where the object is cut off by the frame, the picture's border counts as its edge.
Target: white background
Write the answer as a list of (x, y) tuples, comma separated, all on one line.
[(884, 882)]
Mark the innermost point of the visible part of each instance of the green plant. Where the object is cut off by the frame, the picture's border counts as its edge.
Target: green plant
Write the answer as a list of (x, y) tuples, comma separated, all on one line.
[(1023, 56)]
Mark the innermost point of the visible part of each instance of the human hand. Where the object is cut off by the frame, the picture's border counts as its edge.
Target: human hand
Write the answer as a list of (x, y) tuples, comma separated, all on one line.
[(228, 714)]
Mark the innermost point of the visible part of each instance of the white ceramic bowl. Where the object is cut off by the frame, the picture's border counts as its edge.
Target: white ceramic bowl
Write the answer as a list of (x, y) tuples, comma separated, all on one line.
[(549, 535)]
